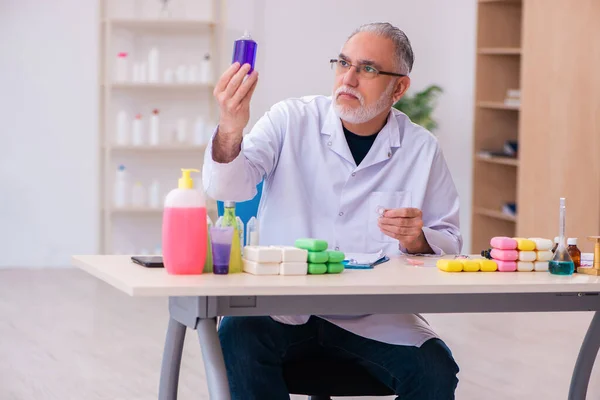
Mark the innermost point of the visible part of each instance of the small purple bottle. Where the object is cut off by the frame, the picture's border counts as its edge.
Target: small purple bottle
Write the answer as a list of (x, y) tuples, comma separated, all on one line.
[(244, 51)]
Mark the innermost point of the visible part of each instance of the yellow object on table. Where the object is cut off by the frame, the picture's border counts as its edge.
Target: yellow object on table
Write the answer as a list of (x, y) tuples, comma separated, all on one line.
[(467, 265), (525, 244), (488, 265), (471, 265), (450, 265)]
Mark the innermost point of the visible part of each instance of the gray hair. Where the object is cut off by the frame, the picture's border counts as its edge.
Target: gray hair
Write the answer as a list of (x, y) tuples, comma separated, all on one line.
[(404, 52)]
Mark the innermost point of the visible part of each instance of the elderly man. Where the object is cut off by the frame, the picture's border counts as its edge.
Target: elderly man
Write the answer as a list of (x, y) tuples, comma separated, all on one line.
[(328, 165)]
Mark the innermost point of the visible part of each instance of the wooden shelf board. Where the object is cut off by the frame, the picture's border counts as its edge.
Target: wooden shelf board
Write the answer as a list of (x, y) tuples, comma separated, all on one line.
[(173, 25), (513, 162), (161, 86), (501, 51), (494, 214), (160, 148), (498, 105)]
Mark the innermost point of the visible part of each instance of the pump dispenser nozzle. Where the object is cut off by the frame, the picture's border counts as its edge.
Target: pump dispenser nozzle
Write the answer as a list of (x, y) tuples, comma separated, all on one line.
[(186, 182)]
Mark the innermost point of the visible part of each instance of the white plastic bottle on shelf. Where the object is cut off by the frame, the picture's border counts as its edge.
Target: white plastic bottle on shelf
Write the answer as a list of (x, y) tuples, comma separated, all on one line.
[(199, 132), (206, 71), (137, 136), (121, 188), (143, 72), (122, 138), (192, 72), (138, 195), (135, 73), (153, 65), (209, 10), (122, 67), (154, 195), (182, 131), (169, 75), (181, 74), (154, 129)]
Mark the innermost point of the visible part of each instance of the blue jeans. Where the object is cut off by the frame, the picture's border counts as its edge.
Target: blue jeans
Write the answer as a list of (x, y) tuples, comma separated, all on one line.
[(255, 348)]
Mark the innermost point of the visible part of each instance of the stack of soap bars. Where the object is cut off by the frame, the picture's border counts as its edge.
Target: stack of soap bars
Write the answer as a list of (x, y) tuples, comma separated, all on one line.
[(320, 260), (275, 260), (308, 256), (520, 254), (506, 255)]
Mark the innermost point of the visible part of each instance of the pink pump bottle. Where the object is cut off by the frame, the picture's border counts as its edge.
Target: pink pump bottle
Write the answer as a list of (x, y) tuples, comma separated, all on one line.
[(184, 230)]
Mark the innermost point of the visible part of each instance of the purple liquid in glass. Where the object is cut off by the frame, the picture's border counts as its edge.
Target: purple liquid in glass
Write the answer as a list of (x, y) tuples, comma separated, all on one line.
[(221, 252), (244, 51)]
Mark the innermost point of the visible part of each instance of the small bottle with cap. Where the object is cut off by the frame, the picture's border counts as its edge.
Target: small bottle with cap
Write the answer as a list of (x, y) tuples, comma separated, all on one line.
[(252, 232), (244, 51), (574, 252), (208, 264), (240, 228), (229, 219)]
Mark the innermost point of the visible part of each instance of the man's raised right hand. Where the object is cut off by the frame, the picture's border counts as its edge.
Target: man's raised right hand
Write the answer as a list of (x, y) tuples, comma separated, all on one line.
[(233, 94)]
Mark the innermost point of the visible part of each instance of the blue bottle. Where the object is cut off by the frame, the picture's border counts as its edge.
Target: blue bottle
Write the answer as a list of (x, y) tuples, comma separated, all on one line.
[(244, 51)]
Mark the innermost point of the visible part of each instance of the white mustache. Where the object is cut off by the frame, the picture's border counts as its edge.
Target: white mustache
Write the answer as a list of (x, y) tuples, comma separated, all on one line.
[(348, 90)]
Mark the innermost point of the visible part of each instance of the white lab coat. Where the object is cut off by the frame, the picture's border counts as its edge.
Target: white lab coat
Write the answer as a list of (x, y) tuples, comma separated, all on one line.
[(313, 188)]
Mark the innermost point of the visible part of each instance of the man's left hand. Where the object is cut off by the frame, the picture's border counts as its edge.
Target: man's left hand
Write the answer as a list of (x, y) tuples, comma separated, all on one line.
[(406, 226)]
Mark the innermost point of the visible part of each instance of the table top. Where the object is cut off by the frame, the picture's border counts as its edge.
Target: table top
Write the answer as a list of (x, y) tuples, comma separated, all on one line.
[(393, 277)]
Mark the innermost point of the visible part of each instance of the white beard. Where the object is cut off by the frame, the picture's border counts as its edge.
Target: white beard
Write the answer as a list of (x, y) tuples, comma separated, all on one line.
[(362, 114)]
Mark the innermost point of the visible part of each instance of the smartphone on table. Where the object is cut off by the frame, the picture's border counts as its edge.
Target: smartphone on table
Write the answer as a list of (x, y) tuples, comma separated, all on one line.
[(148, 261)]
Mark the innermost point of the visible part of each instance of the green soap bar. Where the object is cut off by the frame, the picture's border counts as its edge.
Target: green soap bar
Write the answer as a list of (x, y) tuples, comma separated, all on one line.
[(311, 244), (335, 268), (317, 269), (318, 257), (336, 256)]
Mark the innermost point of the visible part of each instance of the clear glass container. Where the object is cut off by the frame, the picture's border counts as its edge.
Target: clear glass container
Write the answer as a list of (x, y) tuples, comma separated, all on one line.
[(561, 263)]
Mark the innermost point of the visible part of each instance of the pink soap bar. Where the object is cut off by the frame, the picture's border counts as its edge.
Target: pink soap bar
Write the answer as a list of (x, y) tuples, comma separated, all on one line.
[(506, 266), (504, 255), (503, 243)]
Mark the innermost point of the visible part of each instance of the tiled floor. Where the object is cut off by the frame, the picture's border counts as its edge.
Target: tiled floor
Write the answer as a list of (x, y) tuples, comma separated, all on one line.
[(64, 335)]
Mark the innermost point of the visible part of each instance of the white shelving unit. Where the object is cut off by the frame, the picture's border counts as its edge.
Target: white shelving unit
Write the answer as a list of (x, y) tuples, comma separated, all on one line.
[(183, 34)]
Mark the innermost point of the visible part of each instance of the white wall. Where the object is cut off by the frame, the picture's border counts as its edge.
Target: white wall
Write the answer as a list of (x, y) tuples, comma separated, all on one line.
[(297, 41), (48, 75), (48, 136)]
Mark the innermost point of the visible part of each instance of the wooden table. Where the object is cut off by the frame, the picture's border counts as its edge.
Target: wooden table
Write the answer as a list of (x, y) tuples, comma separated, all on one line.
[(196, 301)]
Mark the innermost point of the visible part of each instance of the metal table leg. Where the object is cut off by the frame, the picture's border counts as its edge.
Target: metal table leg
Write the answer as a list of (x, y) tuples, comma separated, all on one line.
[(171, 362), (216, 374), (585, 360)]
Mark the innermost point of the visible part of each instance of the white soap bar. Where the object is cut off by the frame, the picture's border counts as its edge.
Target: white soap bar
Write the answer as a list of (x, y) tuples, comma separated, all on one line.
[(262, 254), (540, 265), (545, 255), (255, 268), (542, 244), (292, 254), (524, 266), (527, 256), (293, 268)]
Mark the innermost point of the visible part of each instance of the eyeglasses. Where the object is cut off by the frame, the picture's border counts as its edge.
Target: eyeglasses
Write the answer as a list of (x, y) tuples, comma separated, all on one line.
[(364, 70)]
